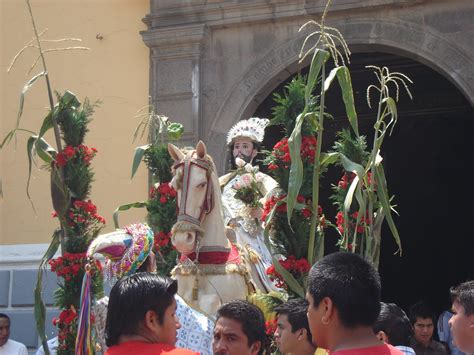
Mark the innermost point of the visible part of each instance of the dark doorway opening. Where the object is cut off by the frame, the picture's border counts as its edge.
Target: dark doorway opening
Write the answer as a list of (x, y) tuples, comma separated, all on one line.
[(428, 162)]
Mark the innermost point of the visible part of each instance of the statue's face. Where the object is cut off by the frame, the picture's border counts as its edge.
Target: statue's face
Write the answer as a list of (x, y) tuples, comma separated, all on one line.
[(244, 149)]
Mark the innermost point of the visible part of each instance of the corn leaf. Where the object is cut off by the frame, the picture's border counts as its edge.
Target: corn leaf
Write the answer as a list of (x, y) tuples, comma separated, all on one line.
[(328, 159), (295, 179), (344, 78), (392, 107), (25, 89), (385, 201), (11, 134), (137, 158), (330, 78), (126, 207), (39, 308), (44, 150), (320, 57), (47, 124), (294, 142)]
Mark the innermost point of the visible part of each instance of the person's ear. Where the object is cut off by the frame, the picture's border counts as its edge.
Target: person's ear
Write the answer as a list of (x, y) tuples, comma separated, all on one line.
[(382, 336), (303, 334), (255, 348), (151, 320), (328, 310)]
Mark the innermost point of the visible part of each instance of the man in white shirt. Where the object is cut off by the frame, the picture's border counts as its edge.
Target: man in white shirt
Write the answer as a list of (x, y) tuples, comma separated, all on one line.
[(52, 346), (8, 346)]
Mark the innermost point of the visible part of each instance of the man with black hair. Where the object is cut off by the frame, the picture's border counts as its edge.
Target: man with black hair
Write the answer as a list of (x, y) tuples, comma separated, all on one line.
[(8, 346), (462, 322), (141, 316), (292, 334), (423, 319), (393, 327), (344, 303), (239, 330)]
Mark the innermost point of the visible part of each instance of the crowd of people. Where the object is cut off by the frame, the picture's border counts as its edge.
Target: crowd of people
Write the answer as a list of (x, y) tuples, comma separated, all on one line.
[(342, 315)]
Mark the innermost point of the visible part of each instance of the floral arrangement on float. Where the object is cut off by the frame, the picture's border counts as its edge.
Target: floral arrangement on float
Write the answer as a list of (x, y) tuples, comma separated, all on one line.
[(295, 222), (290, 240), (69, 165), (161, 203)]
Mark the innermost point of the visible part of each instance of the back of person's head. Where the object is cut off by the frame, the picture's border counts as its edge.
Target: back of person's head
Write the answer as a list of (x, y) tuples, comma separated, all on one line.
[(295, 309), (394, 322), (352, 284), (420, 310), (249, 316), (131, 298), (464, 295)]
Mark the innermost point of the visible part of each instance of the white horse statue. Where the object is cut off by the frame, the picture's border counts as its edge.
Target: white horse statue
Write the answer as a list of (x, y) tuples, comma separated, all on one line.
[(211, 270)]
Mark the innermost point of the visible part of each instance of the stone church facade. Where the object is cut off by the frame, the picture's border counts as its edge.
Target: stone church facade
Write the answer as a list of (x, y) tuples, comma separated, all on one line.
[(213, 62)]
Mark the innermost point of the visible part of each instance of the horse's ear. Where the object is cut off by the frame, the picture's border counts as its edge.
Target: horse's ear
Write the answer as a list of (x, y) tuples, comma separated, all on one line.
[(175, 153), (201, 150)]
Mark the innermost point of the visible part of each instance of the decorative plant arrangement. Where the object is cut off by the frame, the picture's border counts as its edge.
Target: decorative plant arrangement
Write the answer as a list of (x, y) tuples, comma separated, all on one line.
[(294, 220), (161, 203), (290, 241), (69, 165)]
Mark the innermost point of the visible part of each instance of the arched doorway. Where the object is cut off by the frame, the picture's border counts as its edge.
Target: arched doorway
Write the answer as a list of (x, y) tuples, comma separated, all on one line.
[(428, 160)]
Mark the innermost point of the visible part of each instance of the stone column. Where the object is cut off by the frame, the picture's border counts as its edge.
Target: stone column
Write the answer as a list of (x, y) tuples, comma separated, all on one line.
[(175, 75)]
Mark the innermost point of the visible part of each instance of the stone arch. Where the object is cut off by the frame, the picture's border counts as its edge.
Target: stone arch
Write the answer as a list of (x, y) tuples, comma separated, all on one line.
[(398, 37)]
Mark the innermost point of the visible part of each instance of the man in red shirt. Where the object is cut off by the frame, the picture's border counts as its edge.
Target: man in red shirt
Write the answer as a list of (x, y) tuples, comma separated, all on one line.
[(141, 316), (344, 303)]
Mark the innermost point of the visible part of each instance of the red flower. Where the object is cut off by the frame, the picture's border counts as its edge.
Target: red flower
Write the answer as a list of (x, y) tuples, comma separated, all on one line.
[(61, 160), (270, 326), (69, 152)]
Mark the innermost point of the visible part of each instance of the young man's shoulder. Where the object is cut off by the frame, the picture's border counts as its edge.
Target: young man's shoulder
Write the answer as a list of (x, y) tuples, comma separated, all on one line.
[(134, 347), (384, 349)]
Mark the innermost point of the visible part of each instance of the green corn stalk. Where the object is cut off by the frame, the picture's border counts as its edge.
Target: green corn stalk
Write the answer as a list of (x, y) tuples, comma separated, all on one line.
[(333, 46)]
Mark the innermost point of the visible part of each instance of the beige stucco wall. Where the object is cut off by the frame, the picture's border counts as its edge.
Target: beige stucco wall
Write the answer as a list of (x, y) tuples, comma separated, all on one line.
[(114, 70)]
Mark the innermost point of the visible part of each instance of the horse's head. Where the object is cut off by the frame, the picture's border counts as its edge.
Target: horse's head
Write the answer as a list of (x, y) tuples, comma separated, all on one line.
[(192, 180)]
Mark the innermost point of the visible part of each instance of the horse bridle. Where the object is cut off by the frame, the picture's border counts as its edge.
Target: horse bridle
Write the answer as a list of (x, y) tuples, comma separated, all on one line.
[(208, 203)]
